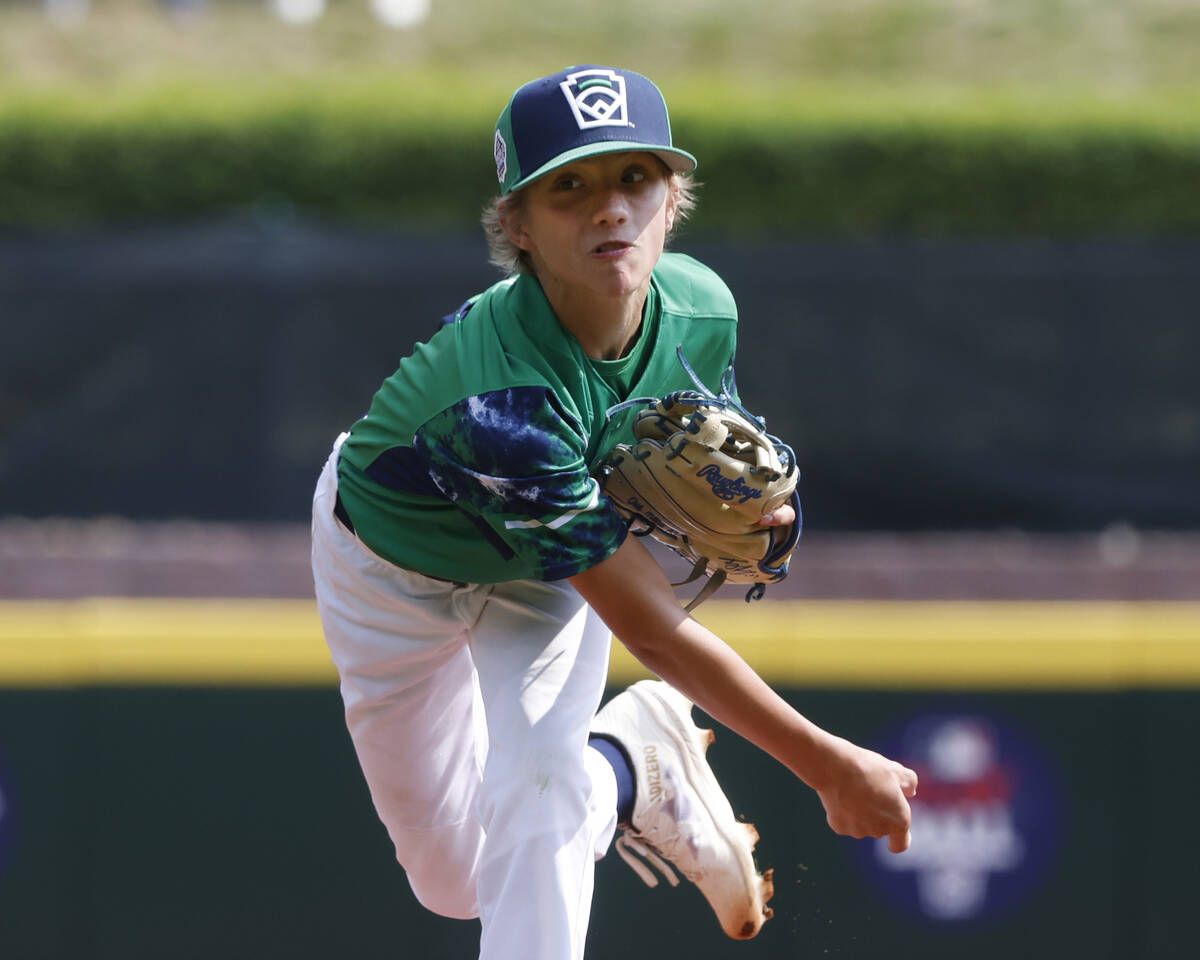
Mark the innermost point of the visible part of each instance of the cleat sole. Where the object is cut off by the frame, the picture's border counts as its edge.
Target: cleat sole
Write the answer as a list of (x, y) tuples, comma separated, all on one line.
[(752, 831)]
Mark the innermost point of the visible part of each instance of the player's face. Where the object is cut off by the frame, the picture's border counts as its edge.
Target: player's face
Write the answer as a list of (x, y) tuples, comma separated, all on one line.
[(598, 225)]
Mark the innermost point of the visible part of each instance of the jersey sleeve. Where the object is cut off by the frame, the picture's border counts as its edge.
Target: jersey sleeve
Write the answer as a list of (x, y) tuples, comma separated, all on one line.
[(514, 460)]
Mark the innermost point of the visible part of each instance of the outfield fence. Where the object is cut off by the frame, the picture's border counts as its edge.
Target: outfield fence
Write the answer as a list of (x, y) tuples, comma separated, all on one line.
[(176, 780)]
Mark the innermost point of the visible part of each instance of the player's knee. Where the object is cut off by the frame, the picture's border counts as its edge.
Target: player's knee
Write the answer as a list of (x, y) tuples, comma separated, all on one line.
[(442, 867), (445, 897)]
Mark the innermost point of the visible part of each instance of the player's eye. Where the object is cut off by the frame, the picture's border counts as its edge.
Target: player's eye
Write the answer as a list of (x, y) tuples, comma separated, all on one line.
[(634, 175), (568, 182)]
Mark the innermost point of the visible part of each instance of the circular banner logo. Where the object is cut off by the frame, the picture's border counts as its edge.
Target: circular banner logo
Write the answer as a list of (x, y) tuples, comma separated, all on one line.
[(6, 818), (986, 823)]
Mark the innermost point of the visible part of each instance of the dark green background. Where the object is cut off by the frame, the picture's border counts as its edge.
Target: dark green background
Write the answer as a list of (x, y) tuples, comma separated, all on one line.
[(233, 823), (203, 371)]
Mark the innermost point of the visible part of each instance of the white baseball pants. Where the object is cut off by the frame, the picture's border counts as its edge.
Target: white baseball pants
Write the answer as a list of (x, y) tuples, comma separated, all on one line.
[(469, 708)]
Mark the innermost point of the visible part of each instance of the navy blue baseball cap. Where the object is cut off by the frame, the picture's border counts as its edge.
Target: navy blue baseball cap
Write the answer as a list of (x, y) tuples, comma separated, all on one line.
[(580, 112)]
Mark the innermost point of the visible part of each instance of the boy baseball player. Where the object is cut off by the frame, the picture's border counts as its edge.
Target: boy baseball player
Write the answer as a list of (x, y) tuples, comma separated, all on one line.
[(470, 572)]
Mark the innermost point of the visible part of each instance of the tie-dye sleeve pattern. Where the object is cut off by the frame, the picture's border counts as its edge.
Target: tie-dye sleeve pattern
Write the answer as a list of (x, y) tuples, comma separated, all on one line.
[(515, 459)]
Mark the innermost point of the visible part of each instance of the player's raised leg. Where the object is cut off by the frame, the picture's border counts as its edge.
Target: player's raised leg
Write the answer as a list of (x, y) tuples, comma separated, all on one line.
[(399, 642)]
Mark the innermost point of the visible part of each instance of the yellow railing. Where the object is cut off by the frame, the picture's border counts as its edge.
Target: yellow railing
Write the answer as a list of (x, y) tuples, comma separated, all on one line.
[(976, 645)]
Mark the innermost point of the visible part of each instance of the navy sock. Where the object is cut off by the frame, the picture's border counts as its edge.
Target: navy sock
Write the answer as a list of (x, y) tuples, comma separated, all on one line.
[(618, 759)]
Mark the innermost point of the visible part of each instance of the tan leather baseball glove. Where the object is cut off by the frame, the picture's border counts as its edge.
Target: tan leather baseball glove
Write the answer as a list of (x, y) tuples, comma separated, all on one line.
[(700, 475)]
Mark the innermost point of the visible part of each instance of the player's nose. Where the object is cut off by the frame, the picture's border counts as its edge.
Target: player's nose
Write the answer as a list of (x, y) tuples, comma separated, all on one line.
[(612, 207)]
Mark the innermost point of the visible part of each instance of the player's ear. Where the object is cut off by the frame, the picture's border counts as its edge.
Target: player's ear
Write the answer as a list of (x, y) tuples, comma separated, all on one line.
[(512, 221), (672, 202)]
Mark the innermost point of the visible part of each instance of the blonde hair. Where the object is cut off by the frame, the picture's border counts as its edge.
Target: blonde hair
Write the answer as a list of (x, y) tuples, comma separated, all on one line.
[(511, 259)]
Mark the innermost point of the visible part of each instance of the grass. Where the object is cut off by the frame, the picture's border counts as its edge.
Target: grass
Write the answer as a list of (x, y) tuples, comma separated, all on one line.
[(808, 78), (918, 49)]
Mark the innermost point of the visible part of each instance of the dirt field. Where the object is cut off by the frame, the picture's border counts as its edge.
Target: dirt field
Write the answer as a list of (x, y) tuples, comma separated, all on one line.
[(62, 559)]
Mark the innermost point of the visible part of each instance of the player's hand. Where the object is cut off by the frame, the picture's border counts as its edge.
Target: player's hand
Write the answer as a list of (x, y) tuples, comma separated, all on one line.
[(784, 514), (867, 796)]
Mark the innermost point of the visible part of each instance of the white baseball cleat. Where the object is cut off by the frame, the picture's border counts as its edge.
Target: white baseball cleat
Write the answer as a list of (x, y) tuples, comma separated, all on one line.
[(680, 814)]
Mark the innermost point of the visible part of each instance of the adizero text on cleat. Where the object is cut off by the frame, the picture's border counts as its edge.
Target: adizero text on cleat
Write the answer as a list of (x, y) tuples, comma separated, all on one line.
[(681, 818)]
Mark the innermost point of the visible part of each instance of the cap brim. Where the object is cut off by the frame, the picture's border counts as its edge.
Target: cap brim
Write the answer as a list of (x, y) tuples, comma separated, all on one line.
[(680, 161)]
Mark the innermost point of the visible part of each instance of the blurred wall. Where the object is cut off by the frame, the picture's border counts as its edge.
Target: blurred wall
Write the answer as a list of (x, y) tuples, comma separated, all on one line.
[(203, 370), (233, 823)]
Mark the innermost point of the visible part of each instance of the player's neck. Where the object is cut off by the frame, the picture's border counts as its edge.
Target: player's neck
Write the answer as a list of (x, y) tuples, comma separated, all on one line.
[(606, 327)]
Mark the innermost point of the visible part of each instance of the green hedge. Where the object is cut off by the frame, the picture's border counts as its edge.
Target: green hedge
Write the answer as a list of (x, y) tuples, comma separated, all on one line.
[(795, 162)]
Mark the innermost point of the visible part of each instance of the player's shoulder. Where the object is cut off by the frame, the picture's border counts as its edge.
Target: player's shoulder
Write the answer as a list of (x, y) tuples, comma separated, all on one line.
[(508, 310), (690, 288), (497, 297)]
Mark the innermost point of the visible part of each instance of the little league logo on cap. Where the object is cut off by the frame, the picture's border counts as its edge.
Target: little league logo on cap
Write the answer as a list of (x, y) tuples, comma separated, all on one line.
[(597, 98), (580, 112)]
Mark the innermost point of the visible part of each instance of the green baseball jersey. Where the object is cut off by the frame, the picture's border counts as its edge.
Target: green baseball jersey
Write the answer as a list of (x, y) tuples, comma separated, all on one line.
[(477, 459)]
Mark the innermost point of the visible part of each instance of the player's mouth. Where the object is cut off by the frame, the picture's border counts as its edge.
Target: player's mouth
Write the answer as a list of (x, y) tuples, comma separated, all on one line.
[(613, 248)]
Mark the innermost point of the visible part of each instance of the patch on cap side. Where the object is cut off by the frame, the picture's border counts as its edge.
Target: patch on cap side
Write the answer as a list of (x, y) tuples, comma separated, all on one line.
[(501, 150)]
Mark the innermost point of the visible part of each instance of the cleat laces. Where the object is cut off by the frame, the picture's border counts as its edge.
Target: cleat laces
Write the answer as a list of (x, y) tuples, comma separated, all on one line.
[(630, 848)]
